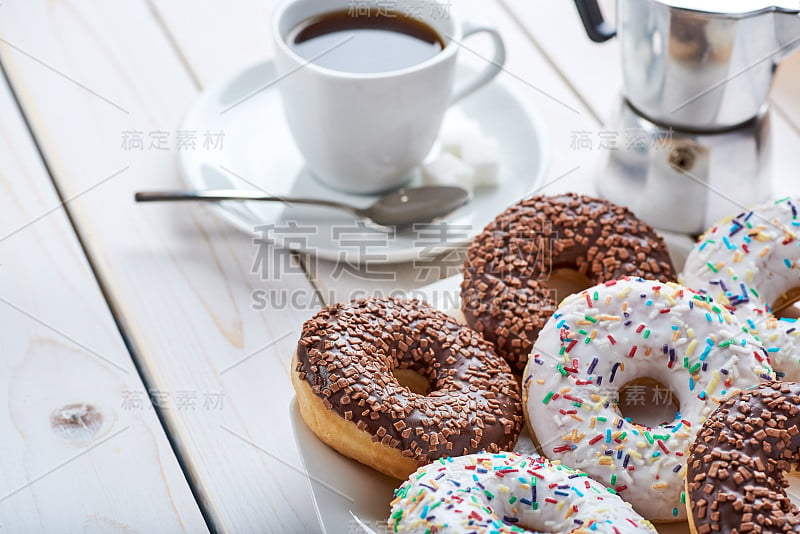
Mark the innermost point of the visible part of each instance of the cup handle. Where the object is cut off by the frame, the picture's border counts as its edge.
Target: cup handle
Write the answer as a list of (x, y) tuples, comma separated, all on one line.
[(491, 70)]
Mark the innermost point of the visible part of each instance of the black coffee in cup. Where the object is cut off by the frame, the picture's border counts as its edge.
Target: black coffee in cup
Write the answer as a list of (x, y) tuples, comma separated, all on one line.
[(371, 41)]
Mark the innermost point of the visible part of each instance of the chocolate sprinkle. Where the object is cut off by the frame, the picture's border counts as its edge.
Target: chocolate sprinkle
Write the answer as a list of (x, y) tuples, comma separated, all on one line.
[(348, 353), (739, 460), (505, 294)]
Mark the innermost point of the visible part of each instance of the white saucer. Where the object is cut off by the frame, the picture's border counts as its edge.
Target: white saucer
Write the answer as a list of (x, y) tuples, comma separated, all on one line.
[(258, 153)]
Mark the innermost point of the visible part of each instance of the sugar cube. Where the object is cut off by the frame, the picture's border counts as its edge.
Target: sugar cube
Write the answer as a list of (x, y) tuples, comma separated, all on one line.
[(483, 155), (447, 169), (455, 131)]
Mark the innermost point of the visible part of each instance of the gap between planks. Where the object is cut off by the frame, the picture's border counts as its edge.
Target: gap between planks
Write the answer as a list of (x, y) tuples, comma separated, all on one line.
[(115, 315), (300, 258), (551, 61)]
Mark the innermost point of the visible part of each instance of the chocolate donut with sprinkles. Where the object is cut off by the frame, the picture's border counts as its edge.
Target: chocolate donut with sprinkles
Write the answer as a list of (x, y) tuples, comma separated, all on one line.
[(751, 263), (345, 371), (620, 333), (736, 476), (505, 493), (505, 294)]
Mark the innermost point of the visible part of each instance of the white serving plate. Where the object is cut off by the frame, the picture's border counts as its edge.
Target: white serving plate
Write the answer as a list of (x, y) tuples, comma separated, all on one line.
[(350, 497)]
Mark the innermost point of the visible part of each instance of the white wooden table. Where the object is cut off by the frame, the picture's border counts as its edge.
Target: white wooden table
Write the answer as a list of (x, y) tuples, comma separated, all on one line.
[(108, 309)]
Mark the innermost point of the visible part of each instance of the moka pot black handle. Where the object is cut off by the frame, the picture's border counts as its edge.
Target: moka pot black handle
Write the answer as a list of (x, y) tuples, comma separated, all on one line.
[(597, 28)]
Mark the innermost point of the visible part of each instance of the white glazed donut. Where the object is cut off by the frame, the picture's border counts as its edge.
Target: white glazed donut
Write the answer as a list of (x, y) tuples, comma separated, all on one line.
[(751, 262), (617, 333), (508, 492)]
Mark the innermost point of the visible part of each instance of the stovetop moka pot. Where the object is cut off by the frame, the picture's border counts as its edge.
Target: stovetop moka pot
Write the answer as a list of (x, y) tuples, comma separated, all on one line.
[(697, 74), (698, 65)]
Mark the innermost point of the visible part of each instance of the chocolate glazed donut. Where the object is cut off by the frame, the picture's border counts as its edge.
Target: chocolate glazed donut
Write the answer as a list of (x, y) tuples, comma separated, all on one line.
[(349, 395), (505, 294), (736, 476)]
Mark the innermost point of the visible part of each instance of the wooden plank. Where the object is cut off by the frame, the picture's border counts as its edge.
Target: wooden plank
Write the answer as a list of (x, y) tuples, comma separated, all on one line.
[(181, 283), (592, 70), (77, 454)]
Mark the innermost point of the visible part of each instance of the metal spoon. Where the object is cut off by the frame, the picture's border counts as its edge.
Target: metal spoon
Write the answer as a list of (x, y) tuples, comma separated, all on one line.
[(398, 208)]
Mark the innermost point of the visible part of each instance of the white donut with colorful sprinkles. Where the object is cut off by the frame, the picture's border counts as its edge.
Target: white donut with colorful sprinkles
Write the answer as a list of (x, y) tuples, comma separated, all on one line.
[(617, 333), (508, 492), (749, 263)]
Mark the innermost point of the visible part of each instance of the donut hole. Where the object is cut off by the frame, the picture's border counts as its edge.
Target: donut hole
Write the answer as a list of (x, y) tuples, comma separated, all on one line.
[(648, 402), (793, 489), (564, 282), (413, 380), (788, 305)]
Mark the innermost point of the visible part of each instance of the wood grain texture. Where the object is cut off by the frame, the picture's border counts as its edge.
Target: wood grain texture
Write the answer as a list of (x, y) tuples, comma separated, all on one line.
[(592, 70), (77, 455), (180, 282)]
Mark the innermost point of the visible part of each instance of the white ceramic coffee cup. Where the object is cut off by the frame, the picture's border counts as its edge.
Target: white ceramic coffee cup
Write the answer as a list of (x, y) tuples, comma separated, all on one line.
[(365, 133)]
